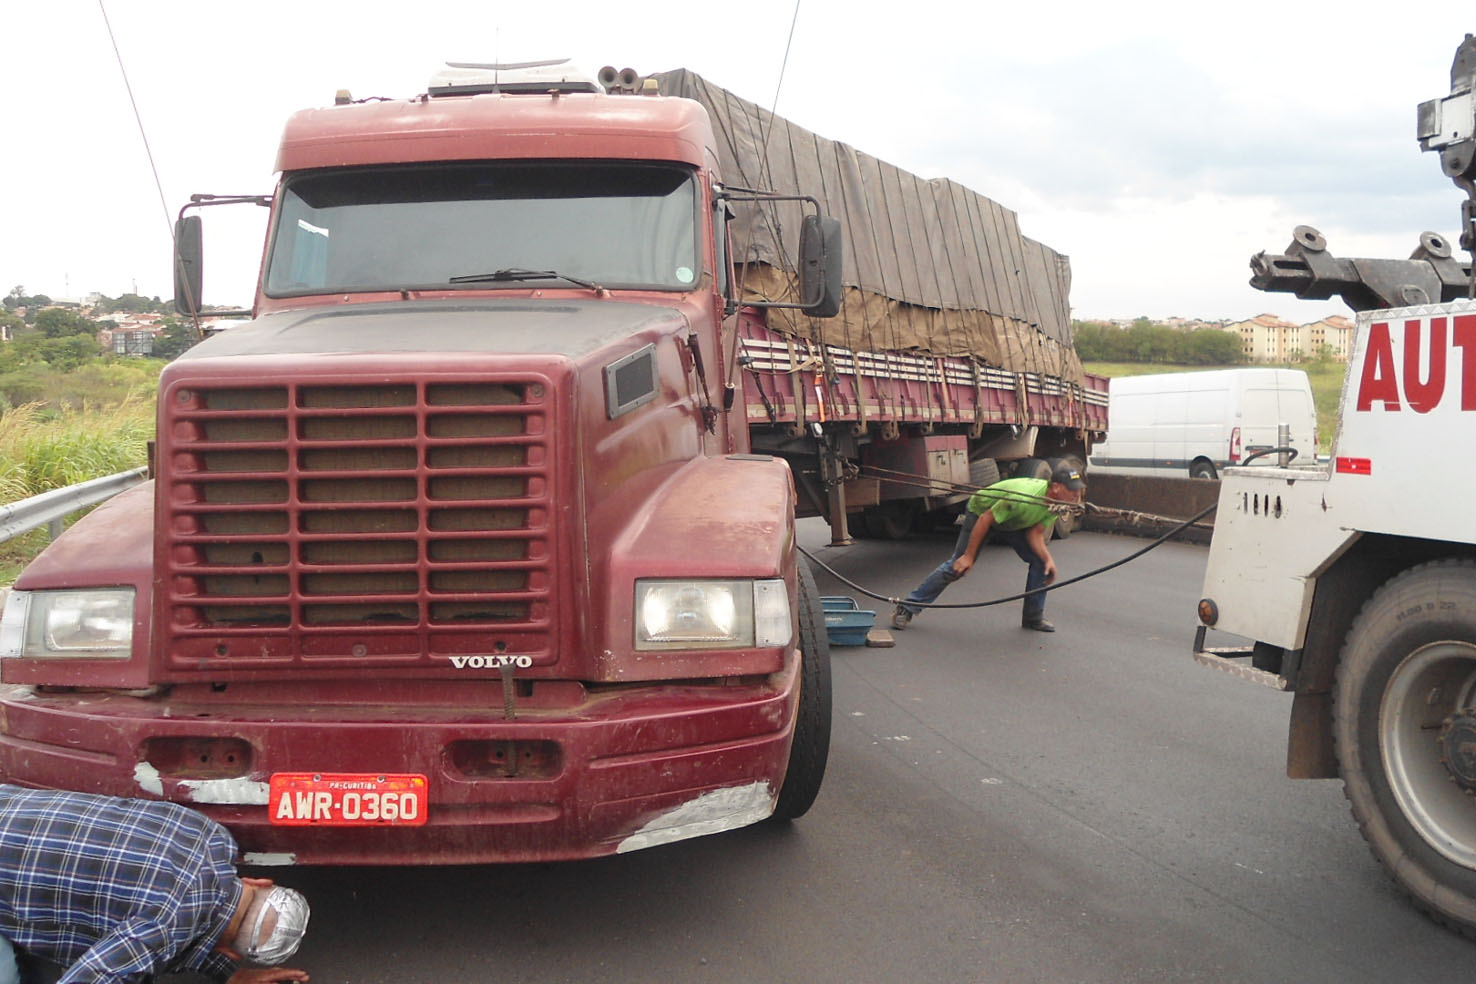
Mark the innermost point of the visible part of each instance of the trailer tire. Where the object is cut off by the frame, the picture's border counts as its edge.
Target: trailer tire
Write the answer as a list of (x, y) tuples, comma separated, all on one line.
[(1032, 468), (891, 520), (810, 749), (1404, 691), (983, 472), (1064, 526)]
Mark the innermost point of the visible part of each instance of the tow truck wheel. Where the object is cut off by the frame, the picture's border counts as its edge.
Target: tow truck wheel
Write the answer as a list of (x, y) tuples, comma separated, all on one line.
[(811, 747), (1404, 725)]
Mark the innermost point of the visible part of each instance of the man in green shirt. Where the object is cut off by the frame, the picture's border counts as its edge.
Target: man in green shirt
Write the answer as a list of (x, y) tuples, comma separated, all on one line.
[(1017, 510)]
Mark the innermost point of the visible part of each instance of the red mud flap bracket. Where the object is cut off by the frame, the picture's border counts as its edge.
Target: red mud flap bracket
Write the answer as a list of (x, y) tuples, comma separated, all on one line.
[(1236, 661)]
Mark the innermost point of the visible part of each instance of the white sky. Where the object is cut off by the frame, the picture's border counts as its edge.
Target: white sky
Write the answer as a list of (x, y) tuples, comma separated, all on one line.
[(1158, 145)]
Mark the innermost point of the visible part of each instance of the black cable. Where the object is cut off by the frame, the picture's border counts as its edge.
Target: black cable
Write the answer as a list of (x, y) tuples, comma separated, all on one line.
[(1262, 454), (1024, 594)]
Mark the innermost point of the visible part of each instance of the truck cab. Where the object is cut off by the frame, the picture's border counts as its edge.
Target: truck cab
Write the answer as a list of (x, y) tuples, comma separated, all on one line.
[(451, 553)]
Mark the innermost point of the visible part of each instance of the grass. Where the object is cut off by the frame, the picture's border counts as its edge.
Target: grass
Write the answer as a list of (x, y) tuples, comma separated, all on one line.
[(1326, 379), (43, 448)]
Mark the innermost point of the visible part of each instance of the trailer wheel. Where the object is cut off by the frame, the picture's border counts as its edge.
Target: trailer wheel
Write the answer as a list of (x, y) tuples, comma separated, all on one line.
[(811, 747), (1033, 468), (1404, 726), (1064, 526), (892, 520), (983, 472)]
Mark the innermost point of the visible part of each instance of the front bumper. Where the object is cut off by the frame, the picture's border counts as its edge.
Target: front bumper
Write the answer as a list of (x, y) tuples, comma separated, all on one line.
[(621, 768)]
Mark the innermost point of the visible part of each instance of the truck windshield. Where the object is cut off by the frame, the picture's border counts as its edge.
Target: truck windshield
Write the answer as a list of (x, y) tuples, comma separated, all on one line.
[(420, 227)]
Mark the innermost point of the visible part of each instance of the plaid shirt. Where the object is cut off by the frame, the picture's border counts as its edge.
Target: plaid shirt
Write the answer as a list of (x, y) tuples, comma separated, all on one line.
[(115, 889)]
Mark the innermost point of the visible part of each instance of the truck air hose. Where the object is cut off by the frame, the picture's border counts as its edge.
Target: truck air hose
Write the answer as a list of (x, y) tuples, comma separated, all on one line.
[(1014, 597)]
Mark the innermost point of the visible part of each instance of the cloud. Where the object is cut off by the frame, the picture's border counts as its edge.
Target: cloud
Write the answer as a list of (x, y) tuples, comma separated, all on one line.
[(1159, 150)]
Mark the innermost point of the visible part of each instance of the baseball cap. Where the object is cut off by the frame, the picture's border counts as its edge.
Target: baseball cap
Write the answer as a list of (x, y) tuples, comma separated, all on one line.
[(269, 941), (1067, 475)]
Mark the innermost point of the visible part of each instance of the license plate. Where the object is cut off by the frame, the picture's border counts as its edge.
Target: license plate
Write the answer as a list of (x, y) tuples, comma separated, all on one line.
[(347, 799)]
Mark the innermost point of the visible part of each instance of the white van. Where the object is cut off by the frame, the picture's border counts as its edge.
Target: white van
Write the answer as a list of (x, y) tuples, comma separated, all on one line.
[(1196, 423)]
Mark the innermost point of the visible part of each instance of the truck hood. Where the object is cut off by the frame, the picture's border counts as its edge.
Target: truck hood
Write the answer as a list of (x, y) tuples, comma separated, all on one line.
[(564, 327)]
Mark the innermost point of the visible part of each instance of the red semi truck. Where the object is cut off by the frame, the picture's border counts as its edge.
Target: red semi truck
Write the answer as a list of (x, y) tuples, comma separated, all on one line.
[(462, 550)]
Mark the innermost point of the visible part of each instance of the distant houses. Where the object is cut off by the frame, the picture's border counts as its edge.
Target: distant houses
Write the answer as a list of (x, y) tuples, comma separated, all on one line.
[(129, 334), (1267, 338)]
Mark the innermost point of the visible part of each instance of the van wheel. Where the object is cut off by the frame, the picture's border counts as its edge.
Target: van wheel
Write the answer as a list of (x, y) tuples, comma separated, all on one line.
[(1202, 469), (811, 746)]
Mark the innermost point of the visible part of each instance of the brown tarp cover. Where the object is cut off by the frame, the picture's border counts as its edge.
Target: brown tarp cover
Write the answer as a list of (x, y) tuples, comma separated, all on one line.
[(929, 265)]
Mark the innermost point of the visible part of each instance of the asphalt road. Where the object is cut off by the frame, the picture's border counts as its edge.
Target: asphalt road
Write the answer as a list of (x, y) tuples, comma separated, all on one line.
[(1001, 806)]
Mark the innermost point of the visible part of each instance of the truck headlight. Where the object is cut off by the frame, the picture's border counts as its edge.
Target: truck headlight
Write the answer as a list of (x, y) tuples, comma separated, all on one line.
[(90, 624), (711, 614)]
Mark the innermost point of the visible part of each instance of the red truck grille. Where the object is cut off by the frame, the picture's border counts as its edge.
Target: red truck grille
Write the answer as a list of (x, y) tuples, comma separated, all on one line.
[(400, 520)]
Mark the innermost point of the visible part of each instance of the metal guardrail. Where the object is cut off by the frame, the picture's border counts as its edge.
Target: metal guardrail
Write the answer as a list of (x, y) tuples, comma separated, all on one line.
[(50, 508)]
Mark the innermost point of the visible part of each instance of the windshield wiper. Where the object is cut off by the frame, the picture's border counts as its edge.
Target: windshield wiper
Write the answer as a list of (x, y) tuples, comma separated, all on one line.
[(517, 273)]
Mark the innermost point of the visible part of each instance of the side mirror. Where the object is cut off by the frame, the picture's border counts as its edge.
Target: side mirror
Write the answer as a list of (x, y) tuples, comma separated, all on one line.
[(189, 272), (821, 262)]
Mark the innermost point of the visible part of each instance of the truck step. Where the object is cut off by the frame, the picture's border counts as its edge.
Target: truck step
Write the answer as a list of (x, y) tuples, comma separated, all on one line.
[(1237, 663)]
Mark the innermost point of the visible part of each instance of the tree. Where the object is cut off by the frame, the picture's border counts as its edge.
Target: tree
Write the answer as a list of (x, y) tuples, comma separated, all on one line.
[(59, 322), (19, 298), (1212, 347), (1147, 341), (178, 336), (131, 303), (69, 352)]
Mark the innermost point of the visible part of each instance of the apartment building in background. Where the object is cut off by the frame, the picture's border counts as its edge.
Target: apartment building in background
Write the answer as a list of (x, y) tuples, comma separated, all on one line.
[(1267, 338)]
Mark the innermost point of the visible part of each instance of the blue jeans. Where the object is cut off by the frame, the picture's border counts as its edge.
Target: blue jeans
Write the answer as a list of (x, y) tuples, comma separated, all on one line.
[(943, 575), (9, 971)]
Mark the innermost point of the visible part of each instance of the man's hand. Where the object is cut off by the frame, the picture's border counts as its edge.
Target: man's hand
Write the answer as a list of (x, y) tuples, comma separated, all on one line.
[(965, 560), (1037, 540), (267, 975)]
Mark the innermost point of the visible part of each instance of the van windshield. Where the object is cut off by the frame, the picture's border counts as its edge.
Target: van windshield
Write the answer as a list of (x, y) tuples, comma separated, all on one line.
[(416, 227)]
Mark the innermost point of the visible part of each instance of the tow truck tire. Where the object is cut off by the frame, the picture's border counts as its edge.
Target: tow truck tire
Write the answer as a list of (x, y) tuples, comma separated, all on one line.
[(811, 747), (1406, 674)]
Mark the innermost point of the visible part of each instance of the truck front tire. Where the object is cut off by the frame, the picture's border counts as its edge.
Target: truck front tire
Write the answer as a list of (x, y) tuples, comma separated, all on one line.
[(811, 747), (1405, 733)]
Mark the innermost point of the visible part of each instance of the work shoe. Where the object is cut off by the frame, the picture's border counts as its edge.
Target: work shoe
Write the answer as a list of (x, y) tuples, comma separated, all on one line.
[(1039, 625), (901, 617)]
